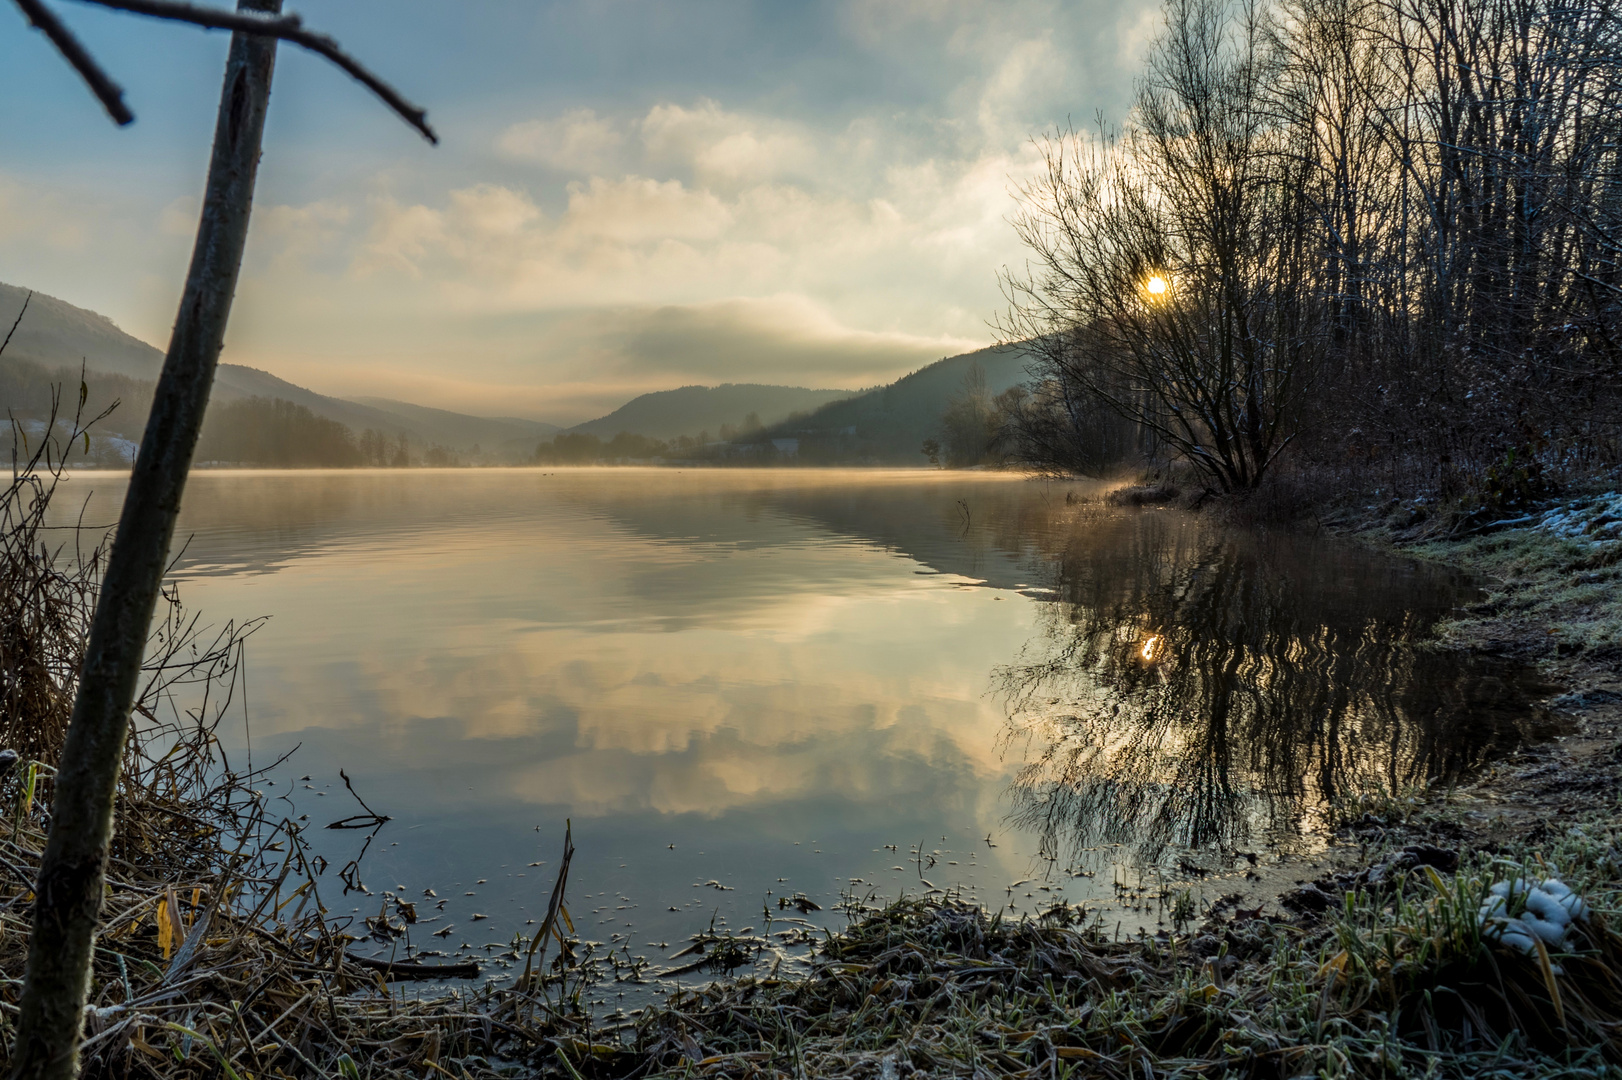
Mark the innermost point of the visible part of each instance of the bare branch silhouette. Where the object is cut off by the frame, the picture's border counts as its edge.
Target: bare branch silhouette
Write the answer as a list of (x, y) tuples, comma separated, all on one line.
[(289, 28), (108, 92)]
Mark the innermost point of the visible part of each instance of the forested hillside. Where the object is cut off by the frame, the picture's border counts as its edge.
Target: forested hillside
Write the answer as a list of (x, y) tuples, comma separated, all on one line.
[(691, 410), (55, 340), (889, 425)]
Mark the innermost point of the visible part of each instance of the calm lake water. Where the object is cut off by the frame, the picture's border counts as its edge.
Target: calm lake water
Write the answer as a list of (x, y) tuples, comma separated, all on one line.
[(746, 685)]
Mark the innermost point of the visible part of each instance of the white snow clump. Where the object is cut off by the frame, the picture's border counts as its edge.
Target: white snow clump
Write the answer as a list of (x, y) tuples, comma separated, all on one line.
[(1596, 520), (1550, 909)]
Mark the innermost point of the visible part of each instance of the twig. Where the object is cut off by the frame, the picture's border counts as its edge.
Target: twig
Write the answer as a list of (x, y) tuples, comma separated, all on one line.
[(345, 777), (368, 820), (289, 28), (17, 323), (110, 93), (553, 905)]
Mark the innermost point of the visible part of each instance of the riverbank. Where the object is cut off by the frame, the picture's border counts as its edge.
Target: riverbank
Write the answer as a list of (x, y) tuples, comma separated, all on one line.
[(1553, 583)]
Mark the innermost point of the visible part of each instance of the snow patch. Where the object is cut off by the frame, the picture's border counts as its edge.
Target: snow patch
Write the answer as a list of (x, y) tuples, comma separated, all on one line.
[(1596, 520), (1547, 912)]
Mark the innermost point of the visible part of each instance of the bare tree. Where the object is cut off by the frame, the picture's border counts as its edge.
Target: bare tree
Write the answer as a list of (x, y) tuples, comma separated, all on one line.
[(1414, 205), (1169, 269), (69, 890)]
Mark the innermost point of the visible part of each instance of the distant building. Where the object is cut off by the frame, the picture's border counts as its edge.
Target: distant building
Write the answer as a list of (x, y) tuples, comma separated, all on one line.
[(787, 447)]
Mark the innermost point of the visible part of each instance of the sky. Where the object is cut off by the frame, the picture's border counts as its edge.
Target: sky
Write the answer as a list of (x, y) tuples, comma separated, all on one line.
[(628, 196)]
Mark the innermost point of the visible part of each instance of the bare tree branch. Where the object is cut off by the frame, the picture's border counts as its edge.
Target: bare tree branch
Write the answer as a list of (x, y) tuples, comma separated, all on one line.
[(68, 892), (109, 92), (289, 28), (19, 321)]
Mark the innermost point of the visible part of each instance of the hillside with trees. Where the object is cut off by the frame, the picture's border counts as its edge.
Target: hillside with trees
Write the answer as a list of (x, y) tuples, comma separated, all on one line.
[(55, 339), (889, 425), (690, 410)]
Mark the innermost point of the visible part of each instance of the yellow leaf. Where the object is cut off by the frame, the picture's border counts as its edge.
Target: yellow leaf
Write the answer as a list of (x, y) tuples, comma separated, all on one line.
[(166, 931), (1074, 1052)]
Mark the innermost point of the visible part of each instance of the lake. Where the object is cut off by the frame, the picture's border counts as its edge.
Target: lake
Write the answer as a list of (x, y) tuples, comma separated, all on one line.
[(742, 686)]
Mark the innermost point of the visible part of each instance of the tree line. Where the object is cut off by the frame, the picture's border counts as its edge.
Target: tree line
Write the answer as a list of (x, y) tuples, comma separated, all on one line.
[(1376, 238), (277, 433), (584, 448)]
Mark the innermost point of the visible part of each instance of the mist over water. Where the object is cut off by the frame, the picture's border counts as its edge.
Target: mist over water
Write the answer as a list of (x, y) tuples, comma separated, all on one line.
[(746, 685)]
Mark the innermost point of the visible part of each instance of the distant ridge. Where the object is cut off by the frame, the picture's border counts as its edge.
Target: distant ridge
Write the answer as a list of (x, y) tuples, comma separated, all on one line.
[(689, 410), (55, 335)]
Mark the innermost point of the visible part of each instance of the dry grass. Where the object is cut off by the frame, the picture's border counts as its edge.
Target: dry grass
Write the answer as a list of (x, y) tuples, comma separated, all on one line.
[(1398, 981)]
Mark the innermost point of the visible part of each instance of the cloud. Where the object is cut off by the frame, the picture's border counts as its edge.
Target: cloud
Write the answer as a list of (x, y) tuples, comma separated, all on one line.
[(599, 358), (724, 148), (642, 211), (833, 210), (735, 340), (579, 141), (39, 216)]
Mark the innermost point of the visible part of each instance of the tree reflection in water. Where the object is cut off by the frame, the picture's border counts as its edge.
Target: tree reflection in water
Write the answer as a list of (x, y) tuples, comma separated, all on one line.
[(1197, 688)]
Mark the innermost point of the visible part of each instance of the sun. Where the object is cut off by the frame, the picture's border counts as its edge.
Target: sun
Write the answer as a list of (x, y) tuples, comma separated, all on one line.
[(1157, 285)]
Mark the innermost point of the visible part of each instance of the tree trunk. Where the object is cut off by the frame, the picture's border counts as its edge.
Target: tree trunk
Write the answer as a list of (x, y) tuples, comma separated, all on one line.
[(72, 872)]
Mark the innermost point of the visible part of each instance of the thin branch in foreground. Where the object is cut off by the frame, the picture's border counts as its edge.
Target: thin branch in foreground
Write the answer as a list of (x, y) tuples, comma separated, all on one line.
[(289, 28), (108, 92), (19, 321)]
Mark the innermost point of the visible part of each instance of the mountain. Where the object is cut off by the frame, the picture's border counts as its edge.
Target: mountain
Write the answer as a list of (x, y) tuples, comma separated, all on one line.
[(889, 424), (689, 410), (460, 430), (54, 335)]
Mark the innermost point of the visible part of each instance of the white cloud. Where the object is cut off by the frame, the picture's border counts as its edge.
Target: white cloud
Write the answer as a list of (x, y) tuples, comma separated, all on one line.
[(724, 147), (639, 210), (579, 141)]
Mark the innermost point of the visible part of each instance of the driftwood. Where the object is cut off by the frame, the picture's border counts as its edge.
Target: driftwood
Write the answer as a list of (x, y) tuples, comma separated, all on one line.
[(414, 969)]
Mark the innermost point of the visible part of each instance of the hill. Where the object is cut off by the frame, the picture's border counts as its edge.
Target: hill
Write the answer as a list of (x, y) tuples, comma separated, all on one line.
[(55, 335), (689, 410), (889, 424)]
